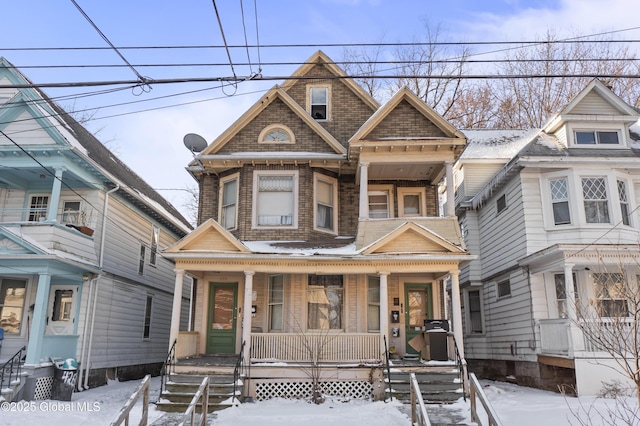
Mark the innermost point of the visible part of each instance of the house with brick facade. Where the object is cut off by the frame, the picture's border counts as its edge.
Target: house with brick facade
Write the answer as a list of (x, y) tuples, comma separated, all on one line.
[(321, 234)]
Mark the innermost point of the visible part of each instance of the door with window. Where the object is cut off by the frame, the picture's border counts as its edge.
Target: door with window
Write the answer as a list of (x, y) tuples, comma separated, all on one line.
[(61, 311), (221, 328), (418, 302)]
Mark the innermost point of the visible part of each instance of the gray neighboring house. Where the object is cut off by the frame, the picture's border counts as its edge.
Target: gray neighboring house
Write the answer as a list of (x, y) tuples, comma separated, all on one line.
[(81, 274), (552, 215)]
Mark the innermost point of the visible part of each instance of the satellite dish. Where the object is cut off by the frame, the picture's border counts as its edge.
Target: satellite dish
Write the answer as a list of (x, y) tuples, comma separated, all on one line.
[(194, 142)]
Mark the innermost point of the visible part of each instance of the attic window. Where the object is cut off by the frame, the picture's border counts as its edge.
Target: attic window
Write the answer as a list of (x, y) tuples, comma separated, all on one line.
[(276, 134), (319, 103), (501, 203), (597, 138)]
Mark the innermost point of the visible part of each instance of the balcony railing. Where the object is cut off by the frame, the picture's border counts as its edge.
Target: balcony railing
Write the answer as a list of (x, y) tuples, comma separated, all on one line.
[(562, 337), (326, 347)]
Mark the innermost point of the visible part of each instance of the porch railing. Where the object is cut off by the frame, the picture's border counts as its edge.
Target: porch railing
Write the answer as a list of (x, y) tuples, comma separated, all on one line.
[(560, 337), (123, 415), (387, 368), (201, 394), (168, 367), (347, 347), (11, 371), (419, 415), (477, 392), (238, 374), (462, 368)]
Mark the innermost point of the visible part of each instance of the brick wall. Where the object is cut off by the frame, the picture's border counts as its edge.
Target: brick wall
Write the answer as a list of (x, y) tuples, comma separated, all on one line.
[(405, 121)]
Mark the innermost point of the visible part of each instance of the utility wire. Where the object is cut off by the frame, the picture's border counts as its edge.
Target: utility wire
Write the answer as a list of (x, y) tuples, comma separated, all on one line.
[(224, 39), (255, 8), (246, 40)]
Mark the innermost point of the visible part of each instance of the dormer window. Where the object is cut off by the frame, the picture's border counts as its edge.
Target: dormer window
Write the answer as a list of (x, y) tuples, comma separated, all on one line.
[(319, 103), (597, 137), (276, 134)]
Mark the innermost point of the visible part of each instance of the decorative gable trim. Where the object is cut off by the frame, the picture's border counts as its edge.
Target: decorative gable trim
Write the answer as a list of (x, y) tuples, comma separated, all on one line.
[(411, 238), (210, 236), (275, 93)]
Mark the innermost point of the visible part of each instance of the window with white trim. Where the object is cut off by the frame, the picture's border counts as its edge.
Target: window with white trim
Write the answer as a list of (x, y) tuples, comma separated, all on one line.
[(275, 199), (319, 103), (12, 298), (610, 291), (155, 240), (325, 302), (624, 202), (561, 293), (501, 203), (38, 206), (373, 304), (560, 201), (326, 202), (276, 302), (276, 134), (228, 212), (503, 288), (380, 201), (597, 137), (71, 212), (596, 205), (411, 202), (474, 311)]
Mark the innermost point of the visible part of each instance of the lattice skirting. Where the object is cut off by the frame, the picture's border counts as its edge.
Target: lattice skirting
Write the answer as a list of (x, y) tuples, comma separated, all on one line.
[(43, 388), (352, 389)]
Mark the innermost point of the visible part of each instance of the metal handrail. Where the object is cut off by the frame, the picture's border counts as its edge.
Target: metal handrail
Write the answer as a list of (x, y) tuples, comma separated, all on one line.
[(123, 414), (418, 408), (462, 368), (476, 390), (190, 413), (13, 366), (386, 365), (168, 367), (238, 371)]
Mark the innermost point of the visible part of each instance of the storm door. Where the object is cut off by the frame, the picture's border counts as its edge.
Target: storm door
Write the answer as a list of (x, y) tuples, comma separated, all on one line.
[(418, 307)]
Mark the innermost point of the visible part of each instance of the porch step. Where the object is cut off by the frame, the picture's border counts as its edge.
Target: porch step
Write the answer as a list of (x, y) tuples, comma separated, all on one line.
[(437, 385), (180, 389)]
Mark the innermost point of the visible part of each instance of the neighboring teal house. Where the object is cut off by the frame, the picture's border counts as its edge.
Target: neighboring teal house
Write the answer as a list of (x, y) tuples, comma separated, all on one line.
[(81, 274)]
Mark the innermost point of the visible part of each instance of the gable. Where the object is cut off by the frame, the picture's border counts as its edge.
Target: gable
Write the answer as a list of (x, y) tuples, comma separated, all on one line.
[(594, 103), (209, 236), (410, 242), (211, 240), (12, 245), (404, 121)]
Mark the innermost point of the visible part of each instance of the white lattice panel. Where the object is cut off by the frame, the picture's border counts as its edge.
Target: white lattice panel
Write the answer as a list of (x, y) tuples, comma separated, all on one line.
[(352, 389), (43, 388)]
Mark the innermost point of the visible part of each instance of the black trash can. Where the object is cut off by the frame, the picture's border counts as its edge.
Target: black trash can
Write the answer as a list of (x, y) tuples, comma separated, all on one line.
[(65, 376), (437, 332)]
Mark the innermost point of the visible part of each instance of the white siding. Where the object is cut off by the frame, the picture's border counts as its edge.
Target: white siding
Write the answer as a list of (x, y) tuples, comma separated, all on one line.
[(477, 175), (594, 104)]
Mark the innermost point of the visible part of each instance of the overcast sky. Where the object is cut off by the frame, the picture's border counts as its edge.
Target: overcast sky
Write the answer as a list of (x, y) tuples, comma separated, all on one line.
[(146, 132)]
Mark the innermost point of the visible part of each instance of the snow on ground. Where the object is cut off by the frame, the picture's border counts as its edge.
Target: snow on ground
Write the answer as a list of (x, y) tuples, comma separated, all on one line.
[(515, 405)]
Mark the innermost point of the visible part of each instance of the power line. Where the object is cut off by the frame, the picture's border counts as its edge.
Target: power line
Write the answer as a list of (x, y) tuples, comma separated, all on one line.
[(224, 39)]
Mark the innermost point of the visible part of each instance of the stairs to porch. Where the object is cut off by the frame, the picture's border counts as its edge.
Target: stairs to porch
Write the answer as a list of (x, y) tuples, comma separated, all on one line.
[(12, 376), (438, 383)]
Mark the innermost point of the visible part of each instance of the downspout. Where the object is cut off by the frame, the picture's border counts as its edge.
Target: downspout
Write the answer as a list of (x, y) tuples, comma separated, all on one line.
[(105, 210)]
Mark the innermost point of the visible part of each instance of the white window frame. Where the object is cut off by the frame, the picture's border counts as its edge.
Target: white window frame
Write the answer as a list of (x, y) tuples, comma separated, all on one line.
[(377, 190), (467, 310), (567, 181), (254, 209), (499, 207), (596, 135), (10, 307), (73, 217), (606, 201), (39, 214), (270, 128), (624, 202), (343, 312), (310, 88), (506, 295), (271, 304), (318, 177), (422, 201), (373, 282), (223, 181), (155, 243)]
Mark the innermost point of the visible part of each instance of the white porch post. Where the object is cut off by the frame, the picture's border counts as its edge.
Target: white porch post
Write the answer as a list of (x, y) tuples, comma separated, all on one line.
[(451, 196), (246, 314), (570, 294), (364, 191), (52, 213), (384, 310), (177, 304), (38, 325), (456, 308)]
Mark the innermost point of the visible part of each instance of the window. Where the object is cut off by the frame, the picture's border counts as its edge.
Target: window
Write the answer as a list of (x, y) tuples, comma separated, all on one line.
[(594, 191), (146, 333), (319, 103), (561, 293), (474, 312), (62, 302), (155, 239), (326, 202), (275, 199), (325, 294), (380, 202), (624, 202), (276, 302), (71, 212), (411, 202), (373, 304), (276, 134), (38, 208), (597, 138), (560, 201), (143, 251), (12, 296), (501, 203), (504, 288), (229, 202), (610, 290)]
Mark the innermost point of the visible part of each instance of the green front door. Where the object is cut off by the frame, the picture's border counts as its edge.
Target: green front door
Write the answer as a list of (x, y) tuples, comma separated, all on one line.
[(418, 304), (221, 334)]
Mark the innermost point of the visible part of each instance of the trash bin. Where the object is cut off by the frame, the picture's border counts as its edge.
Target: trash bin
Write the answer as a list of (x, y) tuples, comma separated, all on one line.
[(64, 379), (437, 332)]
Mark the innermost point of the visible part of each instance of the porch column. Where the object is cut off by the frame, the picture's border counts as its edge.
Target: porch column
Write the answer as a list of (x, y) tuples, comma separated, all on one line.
[(570, 294), (52, 213), (456, 311), (364, 191), (177, 304), (246, 314), (35, 345), (384, 310), (451, 196)]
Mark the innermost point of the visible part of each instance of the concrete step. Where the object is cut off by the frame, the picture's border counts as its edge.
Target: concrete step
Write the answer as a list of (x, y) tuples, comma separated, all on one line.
[(187, 397), (214, 388), (197, 378), (181, 407)]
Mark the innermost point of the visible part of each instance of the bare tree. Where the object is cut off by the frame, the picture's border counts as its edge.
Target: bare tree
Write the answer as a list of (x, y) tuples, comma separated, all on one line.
[(363, 65)]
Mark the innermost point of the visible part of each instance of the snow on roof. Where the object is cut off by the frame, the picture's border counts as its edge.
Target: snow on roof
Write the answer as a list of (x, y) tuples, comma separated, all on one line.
[(289, 247), (496, 144)]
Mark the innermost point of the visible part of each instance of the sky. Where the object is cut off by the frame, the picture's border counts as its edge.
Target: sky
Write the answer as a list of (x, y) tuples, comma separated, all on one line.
[(514, 405), (145, 128)]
